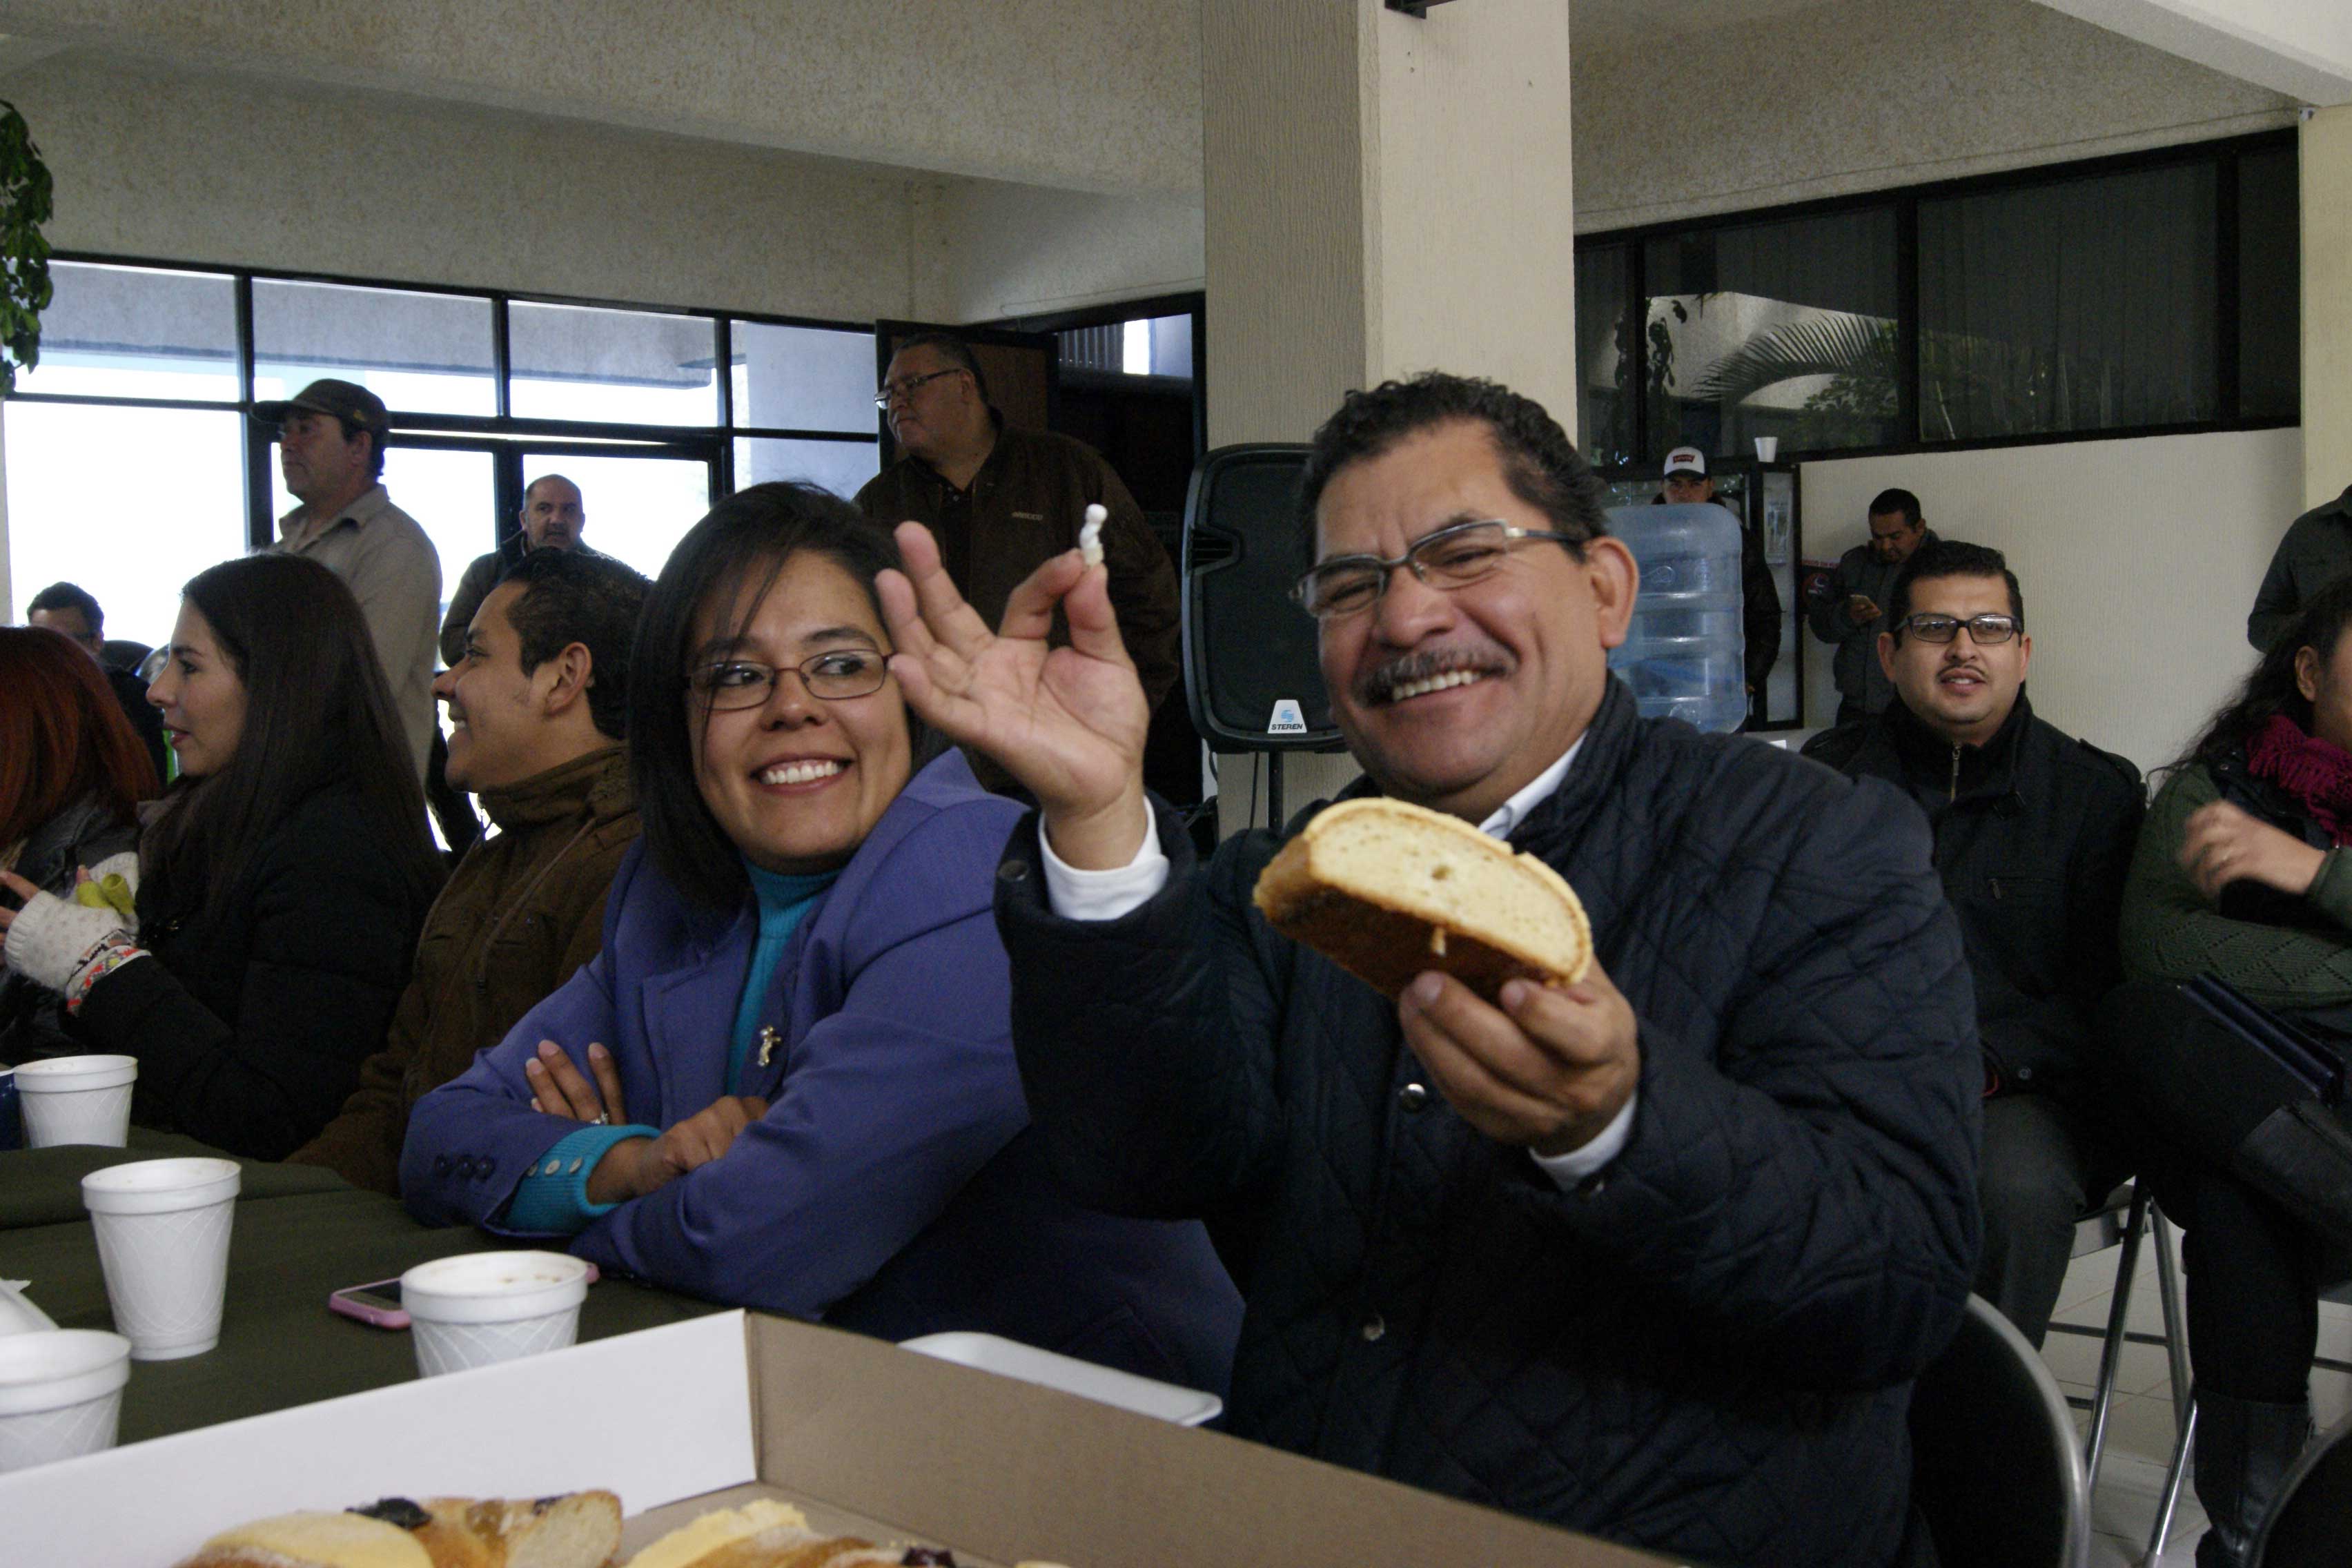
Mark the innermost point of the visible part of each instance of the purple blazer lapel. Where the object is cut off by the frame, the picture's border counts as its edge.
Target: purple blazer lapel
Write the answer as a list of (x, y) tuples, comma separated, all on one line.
[(688, 1018)]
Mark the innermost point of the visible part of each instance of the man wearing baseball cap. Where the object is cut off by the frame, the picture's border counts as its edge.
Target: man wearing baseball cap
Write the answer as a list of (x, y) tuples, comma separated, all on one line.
[(1687, 484), (330, 449)]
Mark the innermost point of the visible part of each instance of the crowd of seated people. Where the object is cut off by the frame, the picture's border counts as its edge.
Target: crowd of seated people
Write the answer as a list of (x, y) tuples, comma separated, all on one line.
[(753, 992)]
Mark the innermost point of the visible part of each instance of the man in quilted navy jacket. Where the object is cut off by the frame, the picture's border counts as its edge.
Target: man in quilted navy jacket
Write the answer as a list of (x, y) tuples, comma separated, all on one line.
[(1654, 1256)]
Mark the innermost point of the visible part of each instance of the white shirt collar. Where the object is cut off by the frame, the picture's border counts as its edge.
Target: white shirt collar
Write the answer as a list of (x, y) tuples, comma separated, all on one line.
[(1514, 811)]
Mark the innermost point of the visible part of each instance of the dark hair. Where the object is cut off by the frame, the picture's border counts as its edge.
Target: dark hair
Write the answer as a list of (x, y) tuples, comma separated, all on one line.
[(592, 600), (730, 561), (318, 715), (70, 597), (956, 352), (1903, 502), (63, 737), (1950, 558), (2270, 689), (1540, 464)]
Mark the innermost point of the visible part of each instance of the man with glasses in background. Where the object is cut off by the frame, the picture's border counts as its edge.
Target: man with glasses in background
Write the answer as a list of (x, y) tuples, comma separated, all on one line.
[(1000, 500), (331, 450), (1655, 1254), (2033, 834), (1847, 605)]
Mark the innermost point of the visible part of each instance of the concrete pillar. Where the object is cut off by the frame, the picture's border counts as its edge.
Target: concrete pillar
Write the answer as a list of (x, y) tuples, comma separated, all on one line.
[(1382, 195), (2326, 304)]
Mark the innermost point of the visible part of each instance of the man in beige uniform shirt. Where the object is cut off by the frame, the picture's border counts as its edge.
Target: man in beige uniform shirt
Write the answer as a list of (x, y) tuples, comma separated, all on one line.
[(330, 449)]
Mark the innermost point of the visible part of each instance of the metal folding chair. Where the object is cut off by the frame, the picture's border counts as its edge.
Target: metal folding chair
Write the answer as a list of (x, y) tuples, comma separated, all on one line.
[(2128, 1215), (1995, 1472)]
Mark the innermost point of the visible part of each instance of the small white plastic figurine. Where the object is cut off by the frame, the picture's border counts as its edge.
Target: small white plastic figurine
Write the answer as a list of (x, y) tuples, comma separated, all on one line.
[(1090, 536)]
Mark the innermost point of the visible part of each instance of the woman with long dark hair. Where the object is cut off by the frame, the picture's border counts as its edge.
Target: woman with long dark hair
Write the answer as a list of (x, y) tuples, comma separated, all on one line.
[(72, 773), (2242, 874), (787, 1082), (282, 882)]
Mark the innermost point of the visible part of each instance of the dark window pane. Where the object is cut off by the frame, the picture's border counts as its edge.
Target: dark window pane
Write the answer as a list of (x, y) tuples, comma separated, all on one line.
[(628, 367), (137, 332), (2270, 285), (1773, 329), (1604, 355), (804, 378), (2086, 304), (424, 353)]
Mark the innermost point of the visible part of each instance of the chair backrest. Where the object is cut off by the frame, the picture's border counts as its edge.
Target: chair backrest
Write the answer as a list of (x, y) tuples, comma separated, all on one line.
[(1996, 1471), (124, 654), (2311, 1523)]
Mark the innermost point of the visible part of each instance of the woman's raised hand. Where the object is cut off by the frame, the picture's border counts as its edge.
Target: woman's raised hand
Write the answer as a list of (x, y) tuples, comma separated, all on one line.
[(1068, 722)]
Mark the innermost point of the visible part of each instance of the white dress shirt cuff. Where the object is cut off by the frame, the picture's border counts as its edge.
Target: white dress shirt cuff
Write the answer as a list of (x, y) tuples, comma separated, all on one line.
[(1578, 1164), (1076, 895)]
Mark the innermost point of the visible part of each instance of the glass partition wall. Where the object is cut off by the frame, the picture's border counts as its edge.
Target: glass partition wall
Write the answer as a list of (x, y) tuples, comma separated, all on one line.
[(2152, 293), (150, 370)]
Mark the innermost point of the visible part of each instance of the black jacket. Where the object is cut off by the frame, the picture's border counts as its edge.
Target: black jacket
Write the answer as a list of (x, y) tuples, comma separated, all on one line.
[(1854, 666), (250, 1027), (2315, 551), (2033, 834), (1704, 1349), (33, 1016)]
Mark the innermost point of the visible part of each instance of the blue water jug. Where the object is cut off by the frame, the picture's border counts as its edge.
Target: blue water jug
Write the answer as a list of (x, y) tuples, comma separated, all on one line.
[(1682, 656)]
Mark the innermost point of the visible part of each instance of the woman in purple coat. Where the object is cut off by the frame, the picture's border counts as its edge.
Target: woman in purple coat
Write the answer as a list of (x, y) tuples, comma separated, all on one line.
[(788, 1082)]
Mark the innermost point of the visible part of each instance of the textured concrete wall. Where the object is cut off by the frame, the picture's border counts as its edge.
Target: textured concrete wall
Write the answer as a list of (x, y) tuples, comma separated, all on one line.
[(2138, 560), (2326, 305), (1103, 95), (219, 168), (1023, 250), (1861, 95)]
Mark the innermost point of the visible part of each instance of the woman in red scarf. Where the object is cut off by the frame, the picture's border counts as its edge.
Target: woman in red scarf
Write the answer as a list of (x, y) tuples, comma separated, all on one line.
[(2241, 873)]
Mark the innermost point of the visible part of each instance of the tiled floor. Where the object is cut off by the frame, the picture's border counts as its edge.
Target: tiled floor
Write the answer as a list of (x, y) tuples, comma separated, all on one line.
[(2139, 1427)]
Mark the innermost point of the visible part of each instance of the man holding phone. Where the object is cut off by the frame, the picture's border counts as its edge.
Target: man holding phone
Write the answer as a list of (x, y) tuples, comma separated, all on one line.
[(1849, 604)]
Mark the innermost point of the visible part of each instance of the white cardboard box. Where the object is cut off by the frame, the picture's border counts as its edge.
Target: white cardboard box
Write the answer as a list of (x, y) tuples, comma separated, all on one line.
[(869, 1438)]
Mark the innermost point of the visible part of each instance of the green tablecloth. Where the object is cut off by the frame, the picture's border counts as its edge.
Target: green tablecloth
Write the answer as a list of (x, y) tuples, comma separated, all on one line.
[(43, 1187), (299, 1233)]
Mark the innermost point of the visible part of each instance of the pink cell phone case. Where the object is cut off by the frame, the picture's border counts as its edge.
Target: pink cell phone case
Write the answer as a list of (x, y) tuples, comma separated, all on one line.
[(381, 1315)]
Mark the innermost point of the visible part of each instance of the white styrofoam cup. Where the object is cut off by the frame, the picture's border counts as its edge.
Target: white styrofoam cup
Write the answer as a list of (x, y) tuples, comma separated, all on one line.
[(76, 1100), (484, 1306), (163, 1239), (60, 1394)]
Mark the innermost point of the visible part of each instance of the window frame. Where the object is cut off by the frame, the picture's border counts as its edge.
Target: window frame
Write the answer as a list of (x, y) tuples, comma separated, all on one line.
[(2224, 153), (501, 429)]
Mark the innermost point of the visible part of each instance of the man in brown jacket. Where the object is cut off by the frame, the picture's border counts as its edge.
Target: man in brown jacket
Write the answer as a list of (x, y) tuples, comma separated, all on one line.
[(536, 708), (1003, 500)]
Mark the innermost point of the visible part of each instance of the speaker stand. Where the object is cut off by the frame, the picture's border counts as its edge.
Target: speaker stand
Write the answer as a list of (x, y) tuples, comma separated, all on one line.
[(1273, 791)]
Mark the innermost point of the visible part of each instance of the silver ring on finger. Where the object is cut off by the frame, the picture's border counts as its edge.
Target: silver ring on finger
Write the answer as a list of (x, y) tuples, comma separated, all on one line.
[(600, 1120)]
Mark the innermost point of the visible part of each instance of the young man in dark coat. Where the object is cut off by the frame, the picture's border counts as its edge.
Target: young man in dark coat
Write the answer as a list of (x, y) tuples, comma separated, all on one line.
[(1653, 1256), (2034, 833)]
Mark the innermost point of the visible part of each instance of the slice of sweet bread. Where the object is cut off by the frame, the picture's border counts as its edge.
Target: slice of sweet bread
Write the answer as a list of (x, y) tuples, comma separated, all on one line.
[(1386, 890), (576, 1529)]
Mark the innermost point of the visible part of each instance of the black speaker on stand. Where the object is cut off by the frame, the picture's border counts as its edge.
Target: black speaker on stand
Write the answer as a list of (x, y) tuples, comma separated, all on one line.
[(1250, 673)]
